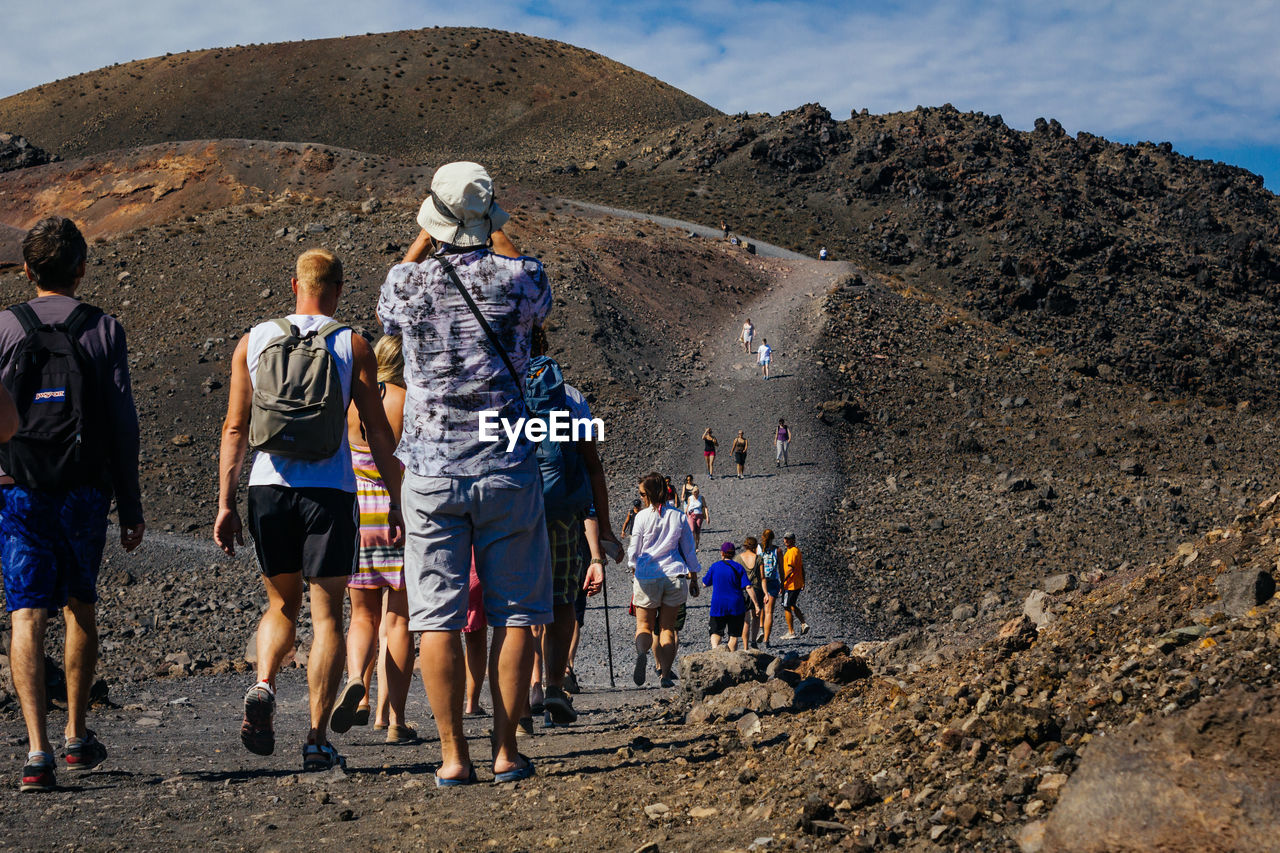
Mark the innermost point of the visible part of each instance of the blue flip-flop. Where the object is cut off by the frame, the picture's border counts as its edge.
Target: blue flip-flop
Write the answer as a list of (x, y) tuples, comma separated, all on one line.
[(516, 775), (454, 783)]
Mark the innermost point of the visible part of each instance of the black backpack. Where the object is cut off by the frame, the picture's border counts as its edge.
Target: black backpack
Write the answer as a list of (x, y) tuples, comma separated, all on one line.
[(60, 444)]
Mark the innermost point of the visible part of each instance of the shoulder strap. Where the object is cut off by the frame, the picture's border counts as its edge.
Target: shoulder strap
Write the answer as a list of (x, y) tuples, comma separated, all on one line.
[(330, 328), (26, 316), (286, 327), (79, 318), (493, 339)]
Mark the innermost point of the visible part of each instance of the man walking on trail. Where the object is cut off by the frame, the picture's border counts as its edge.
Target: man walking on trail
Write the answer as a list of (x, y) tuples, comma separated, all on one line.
[(781, 443), (792, 585), (467, 315), (577, 517), (764, 355), (302, 491), (66, 365)]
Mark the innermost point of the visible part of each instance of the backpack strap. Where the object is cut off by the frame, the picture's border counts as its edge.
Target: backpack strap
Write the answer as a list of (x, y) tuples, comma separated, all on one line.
[(26, 316), (330, 328), (493, 339), (80, 318), (286, 327)]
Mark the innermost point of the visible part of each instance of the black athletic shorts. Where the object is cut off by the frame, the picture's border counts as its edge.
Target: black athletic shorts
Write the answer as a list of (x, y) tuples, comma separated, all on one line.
[(790, 597), (740, 458), (315, 531), (727, 626)]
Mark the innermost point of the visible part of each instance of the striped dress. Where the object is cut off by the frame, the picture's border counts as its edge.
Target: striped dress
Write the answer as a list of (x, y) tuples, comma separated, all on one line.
[(381, 564)]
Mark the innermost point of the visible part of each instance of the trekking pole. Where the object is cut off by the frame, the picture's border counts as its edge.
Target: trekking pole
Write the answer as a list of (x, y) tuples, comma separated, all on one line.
[(608, 635)]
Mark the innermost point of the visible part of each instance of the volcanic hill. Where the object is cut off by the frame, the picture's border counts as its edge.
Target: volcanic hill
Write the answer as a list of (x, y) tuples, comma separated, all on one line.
[(1047, 381)]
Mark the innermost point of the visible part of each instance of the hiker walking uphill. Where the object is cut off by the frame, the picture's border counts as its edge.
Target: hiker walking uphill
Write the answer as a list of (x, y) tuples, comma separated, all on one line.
[(291, 383), (467, 315), (740, 452), (792, 586), (576, 502), (65, 372), (764, 356), (379, 606), (664, 560)]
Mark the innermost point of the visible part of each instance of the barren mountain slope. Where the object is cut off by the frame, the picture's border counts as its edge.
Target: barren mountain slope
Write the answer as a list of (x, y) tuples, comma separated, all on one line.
[(1131, 258), (415, 94)]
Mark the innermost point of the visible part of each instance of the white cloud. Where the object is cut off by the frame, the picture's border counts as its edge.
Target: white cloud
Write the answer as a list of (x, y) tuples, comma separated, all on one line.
[(1181, 70)]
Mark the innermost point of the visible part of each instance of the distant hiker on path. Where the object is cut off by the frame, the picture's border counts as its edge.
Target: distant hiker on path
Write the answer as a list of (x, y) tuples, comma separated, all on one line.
[(764, 355), (792, 586), (724, 226), (709, 451), (730, 590), (698, 513), (55, 496), (750, 560), (771, 572), (748, 333), (822, 253), (781, 443), (740, 452), (685, 490), (467, 315), (378, 582), (302, 492), (636, 506), (663, 558)]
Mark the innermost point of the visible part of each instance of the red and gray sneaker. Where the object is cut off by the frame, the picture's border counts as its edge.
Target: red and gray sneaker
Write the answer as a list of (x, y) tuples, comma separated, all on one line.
[(38, 778), (257, 733), (86, 755)]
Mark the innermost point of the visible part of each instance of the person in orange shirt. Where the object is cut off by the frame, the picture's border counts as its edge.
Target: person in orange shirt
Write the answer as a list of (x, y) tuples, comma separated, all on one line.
[(792, 585)]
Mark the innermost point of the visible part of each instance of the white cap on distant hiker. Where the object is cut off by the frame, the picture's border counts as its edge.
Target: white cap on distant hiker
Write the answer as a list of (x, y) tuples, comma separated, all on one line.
[(460, 210)]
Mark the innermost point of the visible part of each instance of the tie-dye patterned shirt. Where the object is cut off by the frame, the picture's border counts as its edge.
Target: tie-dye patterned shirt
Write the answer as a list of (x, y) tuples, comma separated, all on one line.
[(452, 370)]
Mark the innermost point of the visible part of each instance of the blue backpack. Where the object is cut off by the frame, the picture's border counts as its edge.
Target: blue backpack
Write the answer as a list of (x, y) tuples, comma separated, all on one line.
[(566, 490)]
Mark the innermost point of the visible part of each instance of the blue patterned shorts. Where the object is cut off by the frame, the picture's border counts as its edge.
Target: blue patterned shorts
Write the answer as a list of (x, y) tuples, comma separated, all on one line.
[(51, 545)]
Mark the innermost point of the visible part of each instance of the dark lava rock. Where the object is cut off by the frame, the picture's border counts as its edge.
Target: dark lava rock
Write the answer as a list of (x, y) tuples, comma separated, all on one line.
[(1206, 780), (812, 692), (17, 153), (1241, 591)]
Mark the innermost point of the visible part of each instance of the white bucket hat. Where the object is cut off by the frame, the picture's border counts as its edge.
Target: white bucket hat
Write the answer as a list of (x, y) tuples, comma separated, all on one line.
[(460, 209)]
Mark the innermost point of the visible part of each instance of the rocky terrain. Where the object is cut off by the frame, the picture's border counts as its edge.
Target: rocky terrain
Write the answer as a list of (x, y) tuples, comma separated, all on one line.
[(1042, 395)]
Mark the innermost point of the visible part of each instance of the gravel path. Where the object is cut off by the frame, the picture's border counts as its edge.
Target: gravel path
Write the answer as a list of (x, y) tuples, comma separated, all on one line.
[(730, 395)]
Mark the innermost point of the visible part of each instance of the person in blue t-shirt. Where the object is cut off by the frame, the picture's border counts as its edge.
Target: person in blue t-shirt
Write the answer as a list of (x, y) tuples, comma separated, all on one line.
[(730, 588)]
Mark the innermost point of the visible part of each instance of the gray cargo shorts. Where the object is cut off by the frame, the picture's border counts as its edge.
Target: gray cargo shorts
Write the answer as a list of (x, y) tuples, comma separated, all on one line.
[(498, 515)]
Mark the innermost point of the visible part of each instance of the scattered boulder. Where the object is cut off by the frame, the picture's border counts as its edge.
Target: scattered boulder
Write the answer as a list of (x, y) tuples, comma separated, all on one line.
[(835, 663), (1036, 608), (1016, 635), (752, 697), (1241, 591), (707, 673), (1015, 723), (963, 612), (1056, 584), (1010, 482), (17, 153), (812, 692), (1205, 780)]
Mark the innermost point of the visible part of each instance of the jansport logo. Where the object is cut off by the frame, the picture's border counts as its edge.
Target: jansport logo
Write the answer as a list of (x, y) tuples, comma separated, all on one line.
[(51, 395)]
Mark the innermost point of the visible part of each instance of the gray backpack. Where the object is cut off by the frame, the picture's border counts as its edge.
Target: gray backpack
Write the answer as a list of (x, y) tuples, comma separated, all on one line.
[(298, 409)]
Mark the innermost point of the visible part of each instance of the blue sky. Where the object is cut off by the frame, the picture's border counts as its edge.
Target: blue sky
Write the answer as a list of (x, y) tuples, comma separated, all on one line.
[(1204, 76)]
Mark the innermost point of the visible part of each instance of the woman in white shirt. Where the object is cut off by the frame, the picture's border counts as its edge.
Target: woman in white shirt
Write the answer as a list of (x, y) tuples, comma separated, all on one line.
[(663, 558), (698, 512)]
